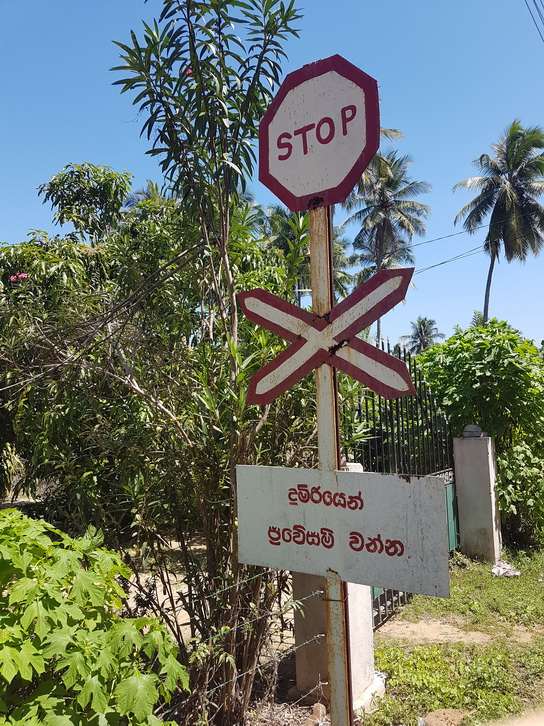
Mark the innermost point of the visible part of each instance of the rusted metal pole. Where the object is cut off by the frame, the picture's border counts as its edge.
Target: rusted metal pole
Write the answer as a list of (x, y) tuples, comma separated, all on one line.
[(337, 632)]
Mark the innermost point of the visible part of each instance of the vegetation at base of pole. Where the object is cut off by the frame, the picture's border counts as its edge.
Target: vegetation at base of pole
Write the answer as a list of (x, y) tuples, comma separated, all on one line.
[(487, 655)]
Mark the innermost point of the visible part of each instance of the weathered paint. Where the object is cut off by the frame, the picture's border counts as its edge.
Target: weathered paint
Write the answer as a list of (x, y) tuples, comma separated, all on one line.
[(337, 638), (384, 530), (319, 133), (330, 338)]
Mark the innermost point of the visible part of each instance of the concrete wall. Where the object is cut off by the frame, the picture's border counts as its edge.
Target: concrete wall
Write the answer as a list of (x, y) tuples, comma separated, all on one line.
[(475, 478)]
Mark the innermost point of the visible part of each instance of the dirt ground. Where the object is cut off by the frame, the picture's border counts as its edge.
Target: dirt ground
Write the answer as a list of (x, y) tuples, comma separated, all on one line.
[(433, 630)]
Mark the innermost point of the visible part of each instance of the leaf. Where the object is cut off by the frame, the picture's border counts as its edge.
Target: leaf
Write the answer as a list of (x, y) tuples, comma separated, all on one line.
[(28, 659), (57, 644), (8, 661), (85, 589), (124, 637), (137, 694), (176, 674), (59, 719), (25, 589), (75, 668), (94, 690)]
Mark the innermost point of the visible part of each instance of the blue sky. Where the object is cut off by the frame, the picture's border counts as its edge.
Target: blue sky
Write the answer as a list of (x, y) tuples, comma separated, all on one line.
[(452, 76)]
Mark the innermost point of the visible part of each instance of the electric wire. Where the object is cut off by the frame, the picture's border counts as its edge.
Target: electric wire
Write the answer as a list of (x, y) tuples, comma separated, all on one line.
[(468, 253), (534, 20), (539, 11)]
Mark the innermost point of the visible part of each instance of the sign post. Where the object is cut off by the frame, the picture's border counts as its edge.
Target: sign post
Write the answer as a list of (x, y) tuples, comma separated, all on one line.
[(337, 636), (315, 140)]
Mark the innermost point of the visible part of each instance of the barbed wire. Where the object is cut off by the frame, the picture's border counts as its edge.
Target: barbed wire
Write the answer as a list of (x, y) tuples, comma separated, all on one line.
[(290, 650), (291, 604)]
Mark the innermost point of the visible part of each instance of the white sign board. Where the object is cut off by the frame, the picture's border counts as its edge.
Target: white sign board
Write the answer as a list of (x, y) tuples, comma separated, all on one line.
[(384, 530)]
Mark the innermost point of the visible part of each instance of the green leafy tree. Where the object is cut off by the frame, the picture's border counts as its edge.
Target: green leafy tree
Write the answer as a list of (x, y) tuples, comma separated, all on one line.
[(388, 216), (493, 377), (66, 655), (508, 187), (424, 334), (90, 197)]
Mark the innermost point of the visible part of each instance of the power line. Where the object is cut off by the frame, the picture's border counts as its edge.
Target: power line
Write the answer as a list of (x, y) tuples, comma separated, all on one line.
[(446, 236), (539, 11), (534, 20), (468, 253)]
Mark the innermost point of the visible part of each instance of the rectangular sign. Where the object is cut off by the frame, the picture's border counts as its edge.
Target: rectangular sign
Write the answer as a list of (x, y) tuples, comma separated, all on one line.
[(385, 530)]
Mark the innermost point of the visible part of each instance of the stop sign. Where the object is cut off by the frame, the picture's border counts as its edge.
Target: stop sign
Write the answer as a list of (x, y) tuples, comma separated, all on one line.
[(319, 134)]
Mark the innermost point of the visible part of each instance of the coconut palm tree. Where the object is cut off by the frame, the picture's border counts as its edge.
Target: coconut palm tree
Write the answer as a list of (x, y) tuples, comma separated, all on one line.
[(511, 181), (387, 214), (289, 232), (424, 334)]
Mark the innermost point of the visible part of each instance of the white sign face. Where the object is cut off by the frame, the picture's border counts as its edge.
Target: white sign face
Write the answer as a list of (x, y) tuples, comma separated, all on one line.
[(384, 530), (319, 133), (316, 133)]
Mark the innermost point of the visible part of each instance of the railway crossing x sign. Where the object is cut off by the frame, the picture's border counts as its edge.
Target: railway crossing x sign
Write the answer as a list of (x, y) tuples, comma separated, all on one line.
[(330, 339)]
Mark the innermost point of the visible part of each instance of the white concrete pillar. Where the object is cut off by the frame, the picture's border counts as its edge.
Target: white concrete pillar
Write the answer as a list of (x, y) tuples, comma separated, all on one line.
[(311, 659), (475, 477)]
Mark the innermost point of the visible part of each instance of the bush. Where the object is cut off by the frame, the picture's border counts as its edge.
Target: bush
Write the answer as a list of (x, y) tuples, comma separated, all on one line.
[(66, 654), (493, 377)]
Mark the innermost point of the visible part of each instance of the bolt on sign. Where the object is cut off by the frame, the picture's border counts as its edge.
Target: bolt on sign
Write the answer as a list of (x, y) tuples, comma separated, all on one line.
[(319, 133), (373, 529)]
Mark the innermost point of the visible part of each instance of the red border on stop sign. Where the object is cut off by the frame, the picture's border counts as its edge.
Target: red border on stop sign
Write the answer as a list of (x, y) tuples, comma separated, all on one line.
[(339, 191)]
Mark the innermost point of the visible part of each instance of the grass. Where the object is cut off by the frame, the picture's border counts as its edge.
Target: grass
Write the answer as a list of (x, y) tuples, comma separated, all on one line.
[(490, 681), (486, 602)]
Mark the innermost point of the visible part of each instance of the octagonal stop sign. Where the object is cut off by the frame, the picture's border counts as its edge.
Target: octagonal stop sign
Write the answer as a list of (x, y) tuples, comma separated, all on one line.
[(319, 134)]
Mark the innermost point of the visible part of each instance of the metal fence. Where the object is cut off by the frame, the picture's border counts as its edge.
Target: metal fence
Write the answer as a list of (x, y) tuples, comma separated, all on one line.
[(407, 435)]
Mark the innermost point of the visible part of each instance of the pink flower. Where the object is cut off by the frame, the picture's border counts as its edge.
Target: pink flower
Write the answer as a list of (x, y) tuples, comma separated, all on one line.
[(13, 278), (22, 275), (188, 72)]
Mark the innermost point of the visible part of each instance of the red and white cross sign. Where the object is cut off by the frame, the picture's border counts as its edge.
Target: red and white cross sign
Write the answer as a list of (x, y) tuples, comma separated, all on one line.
[(330, 339)]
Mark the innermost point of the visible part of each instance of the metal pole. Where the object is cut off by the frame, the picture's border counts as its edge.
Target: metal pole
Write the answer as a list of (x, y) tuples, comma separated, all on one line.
[(337, 633)]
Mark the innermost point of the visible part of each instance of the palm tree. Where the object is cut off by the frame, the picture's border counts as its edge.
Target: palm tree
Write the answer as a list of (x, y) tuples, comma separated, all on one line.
[(289, 233), (511, 181), (424, 334), (387, 214), (151, 192)]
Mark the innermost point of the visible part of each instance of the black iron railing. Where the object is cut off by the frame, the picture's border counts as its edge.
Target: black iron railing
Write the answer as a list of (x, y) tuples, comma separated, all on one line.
[(409, 435)]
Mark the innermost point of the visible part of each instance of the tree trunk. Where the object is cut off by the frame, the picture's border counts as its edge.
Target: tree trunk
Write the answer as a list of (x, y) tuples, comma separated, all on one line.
[(488, 287)]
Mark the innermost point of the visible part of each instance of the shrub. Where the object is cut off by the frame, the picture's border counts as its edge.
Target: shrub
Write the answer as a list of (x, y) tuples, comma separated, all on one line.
[(493, 377), (66, 654)]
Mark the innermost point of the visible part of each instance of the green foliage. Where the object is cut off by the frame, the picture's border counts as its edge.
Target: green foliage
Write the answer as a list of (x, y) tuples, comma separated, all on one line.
[(425, 678), (491, 680), (66, 655), (88, 196), (490, 376), (126, 383), (493, 377), (485, 602), (204, 76)]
